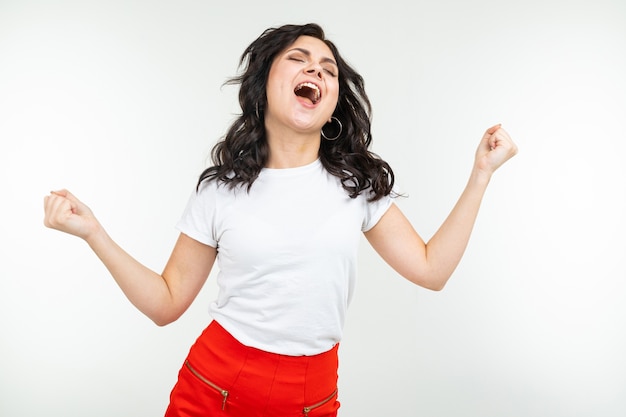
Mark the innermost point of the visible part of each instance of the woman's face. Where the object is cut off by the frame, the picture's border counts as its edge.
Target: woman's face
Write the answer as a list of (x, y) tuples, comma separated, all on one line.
[(302, 86)]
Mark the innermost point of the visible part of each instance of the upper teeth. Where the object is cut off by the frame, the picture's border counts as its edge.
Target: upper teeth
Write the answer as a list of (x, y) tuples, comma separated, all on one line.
[(312, 87)]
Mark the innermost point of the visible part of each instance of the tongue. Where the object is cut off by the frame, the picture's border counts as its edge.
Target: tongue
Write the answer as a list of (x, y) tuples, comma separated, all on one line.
[(306, 93), (304, 98)]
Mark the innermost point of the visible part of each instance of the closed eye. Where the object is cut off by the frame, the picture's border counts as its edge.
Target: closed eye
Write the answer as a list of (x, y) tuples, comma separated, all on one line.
[(296, 59), (330, 68)]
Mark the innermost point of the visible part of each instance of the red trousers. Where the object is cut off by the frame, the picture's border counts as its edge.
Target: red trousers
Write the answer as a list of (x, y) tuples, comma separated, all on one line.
[(222, 377)]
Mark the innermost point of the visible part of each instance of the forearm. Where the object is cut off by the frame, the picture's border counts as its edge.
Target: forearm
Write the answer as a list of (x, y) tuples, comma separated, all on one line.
[(446, 247), (163, 298), (145, 289), (431, 264)]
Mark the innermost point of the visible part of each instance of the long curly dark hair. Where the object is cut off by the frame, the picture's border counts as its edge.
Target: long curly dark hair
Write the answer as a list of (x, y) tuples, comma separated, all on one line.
[(243, 151)]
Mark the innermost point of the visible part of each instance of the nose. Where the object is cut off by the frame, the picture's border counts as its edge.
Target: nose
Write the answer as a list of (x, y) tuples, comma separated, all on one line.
[(316, 70)]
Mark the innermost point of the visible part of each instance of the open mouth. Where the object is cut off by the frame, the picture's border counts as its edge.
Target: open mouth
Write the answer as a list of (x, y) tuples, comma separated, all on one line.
[(309, 91)]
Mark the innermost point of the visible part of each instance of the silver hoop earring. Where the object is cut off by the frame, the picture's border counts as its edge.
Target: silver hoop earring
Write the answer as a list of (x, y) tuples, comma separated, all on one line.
[(256, 110), (333, 118)]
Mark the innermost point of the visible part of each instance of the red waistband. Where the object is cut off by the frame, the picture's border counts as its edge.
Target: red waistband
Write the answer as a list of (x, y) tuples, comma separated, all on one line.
[(217, 354)]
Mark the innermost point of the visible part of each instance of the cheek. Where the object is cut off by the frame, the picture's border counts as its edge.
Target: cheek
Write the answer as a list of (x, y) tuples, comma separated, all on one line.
[(333, 95), (274, 90), (274, 78), (332, 86)]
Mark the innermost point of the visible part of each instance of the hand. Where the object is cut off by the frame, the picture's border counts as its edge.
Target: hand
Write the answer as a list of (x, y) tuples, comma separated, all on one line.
[(66, 213), (495, 148)]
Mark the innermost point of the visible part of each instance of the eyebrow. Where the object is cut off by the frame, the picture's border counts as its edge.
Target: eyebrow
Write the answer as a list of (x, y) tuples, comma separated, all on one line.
[(308, 53)]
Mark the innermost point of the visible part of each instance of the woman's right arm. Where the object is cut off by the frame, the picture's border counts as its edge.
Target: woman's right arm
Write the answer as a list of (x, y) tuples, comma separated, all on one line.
[(163, 298)]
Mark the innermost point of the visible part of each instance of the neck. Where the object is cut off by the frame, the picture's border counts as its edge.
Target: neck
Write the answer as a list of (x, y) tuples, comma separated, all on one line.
[(290, 150)]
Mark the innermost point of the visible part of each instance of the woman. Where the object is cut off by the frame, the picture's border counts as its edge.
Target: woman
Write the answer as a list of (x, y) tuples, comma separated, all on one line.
[(292, 187)]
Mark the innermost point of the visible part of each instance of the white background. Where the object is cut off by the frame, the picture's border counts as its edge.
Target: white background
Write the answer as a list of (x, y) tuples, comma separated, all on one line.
[(121, 101)]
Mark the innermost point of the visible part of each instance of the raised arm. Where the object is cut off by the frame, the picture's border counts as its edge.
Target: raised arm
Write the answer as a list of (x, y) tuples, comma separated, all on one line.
[(431, 264), (163, 298)]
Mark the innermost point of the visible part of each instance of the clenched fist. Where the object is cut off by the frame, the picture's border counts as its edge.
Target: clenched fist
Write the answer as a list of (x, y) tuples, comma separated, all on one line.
[(495, 148), (64, 212)]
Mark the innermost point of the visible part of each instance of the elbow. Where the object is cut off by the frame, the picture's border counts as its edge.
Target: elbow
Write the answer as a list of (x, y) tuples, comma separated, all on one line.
[(431, 282), (438, 281), (163, 320), (436, 286), (165, 313)]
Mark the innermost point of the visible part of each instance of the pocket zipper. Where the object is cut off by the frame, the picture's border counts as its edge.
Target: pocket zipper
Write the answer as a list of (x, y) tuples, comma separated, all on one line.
[(310, 408), (209, 383)]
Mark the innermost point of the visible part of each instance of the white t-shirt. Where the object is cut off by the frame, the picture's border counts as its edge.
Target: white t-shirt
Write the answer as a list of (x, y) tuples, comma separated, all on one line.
[(287, 253)]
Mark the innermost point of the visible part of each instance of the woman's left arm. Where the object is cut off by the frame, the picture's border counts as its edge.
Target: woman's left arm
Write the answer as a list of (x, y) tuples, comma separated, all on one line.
[(431, 264)]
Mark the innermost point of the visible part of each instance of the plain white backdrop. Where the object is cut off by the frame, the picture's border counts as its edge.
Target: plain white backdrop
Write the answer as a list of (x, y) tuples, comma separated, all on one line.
[(120, 102)]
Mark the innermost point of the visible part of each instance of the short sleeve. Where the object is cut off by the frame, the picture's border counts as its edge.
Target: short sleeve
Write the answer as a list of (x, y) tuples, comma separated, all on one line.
[(198, 219), (374, 211)]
